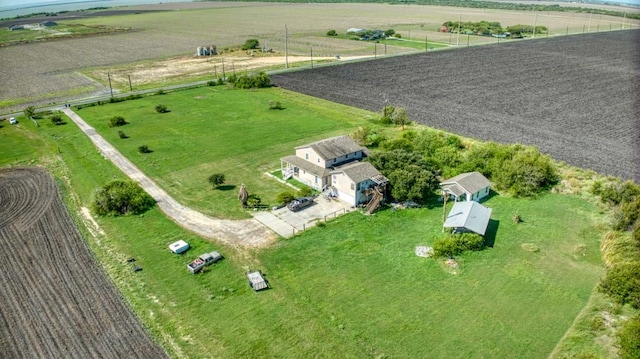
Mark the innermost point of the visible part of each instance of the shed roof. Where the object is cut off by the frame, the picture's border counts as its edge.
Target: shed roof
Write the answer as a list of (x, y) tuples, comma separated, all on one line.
[(306, 165), (470, 215), (470, 182), (334, 147), (359, 171)]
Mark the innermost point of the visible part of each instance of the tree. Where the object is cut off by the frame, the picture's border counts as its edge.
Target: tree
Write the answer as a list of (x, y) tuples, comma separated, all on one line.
[(116, 121), (29, 111), (216, 179), (161, 108), (122, 135), (400, 117), (389, 32), (251, 44), (629, 339), (120, 197), (144, 149), (332, 33)]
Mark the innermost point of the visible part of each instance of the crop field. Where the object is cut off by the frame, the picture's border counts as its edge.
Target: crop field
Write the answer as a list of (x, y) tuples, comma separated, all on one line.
[(574, 97), (52, 76), (56, 301)]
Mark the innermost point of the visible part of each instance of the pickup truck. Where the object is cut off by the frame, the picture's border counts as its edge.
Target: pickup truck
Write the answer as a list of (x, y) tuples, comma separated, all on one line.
[(300, 203), (202, 261)]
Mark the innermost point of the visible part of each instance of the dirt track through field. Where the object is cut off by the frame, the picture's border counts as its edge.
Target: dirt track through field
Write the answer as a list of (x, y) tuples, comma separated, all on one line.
[(246, 233), (55, 301)]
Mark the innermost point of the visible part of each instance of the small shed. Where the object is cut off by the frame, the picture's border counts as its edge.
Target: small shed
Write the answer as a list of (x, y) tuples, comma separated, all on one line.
[(469, 216), (257, 281), (470, 186), (179, 247)]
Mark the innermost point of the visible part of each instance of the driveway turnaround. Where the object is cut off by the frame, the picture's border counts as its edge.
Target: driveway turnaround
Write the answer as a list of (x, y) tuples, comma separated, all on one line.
[(246, 233)]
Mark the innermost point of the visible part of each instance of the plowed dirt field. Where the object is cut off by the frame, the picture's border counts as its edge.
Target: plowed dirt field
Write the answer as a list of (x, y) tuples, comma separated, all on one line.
[(55, 301), (574, 97)]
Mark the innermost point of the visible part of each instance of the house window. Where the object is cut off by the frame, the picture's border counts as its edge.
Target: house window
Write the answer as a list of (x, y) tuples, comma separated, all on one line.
[(318, 160), (316, 179), (352, 187), (335, 179), (306, 156)]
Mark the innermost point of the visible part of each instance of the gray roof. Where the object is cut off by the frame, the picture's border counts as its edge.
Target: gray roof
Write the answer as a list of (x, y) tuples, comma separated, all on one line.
[(470, 182), (358, 171), (334, 147), (307, 166), (470, 215)]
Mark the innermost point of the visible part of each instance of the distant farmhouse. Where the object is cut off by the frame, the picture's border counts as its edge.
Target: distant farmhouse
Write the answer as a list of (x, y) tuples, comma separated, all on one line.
[(470, 186), (335, 166), (48, 23)]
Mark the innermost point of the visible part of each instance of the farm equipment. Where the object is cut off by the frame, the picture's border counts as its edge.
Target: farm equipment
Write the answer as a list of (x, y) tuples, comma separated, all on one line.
[(202, 261)]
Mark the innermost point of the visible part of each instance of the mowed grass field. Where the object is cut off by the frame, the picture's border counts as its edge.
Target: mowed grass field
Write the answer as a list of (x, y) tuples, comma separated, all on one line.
[(353, 288), (54, 76), (216, 130)]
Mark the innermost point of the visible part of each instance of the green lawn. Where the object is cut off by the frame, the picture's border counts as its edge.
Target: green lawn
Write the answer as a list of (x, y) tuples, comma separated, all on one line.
[(351, 289), (217, 130)]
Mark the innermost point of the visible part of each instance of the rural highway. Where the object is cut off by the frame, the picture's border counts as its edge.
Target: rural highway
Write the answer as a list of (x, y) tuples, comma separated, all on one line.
[(244, 233)]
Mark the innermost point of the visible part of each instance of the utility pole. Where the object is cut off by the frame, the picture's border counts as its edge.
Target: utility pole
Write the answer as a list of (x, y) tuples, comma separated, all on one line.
[(535, 23), (286, 47), (375, 50), (130, 87), (110, 88), (426, 43), (311, 56)]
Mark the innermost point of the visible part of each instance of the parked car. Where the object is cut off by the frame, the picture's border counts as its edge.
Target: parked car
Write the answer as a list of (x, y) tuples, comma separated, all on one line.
[(300, 203)]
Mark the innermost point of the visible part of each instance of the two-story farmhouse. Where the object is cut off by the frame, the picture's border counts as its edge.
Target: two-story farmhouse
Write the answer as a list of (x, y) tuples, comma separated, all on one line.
[(334, 165)]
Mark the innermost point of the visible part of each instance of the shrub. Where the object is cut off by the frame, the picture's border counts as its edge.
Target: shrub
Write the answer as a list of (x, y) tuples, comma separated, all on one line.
[(389, 32), (216, 179), (161, 108), (254, 200), (144, 149), (160, 92), (121, 198), (622, 284), (332, 33), (285, 197), (57, 120), (259, 80), (305, 191), (116, 121), (629, 339), (275, 105), (617, 192), (251, 44), (122, 135), (457, 244)]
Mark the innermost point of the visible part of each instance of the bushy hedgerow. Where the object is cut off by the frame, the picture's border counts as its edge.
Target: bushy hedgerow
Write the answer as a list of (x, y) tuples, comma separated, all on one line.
[(305, 191), (518, 170), (411, 177), (622, 283), (629, 339), (457, 244), (259, 80), (119, 197)]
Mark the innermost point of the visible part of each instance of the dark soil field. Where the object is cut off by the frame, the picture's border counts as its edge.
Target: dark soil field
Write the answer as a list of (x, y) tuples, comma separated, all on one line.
[(55, 301), (575, 97)]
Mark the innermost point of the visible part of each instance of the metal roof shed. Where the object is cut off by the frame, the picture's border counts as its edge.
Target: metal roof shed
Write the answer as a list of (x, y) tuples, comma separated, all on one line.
[(470, 216), (179, 247)]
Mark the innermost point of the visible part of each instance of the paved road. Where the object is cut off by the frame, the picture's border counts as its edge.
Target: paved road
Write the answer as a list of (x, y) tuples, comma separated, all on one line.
[(246, 233)]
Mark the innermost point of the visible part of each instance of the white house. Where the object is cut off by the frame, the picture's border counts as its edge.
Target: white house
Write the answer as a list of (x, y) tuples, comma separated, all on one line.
[(468, 216), (470, 186), (334, 165)]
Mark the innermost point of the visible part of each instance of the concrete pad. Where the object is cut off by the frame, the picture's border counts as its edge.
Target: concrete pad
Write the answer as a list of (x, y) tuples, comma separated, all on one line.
[(286, 223)]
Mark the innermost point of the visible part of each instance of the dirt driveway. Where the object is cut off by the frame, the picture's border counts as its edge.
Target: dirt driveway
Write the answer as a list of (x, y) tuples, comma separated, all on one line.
[(244, 233)]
